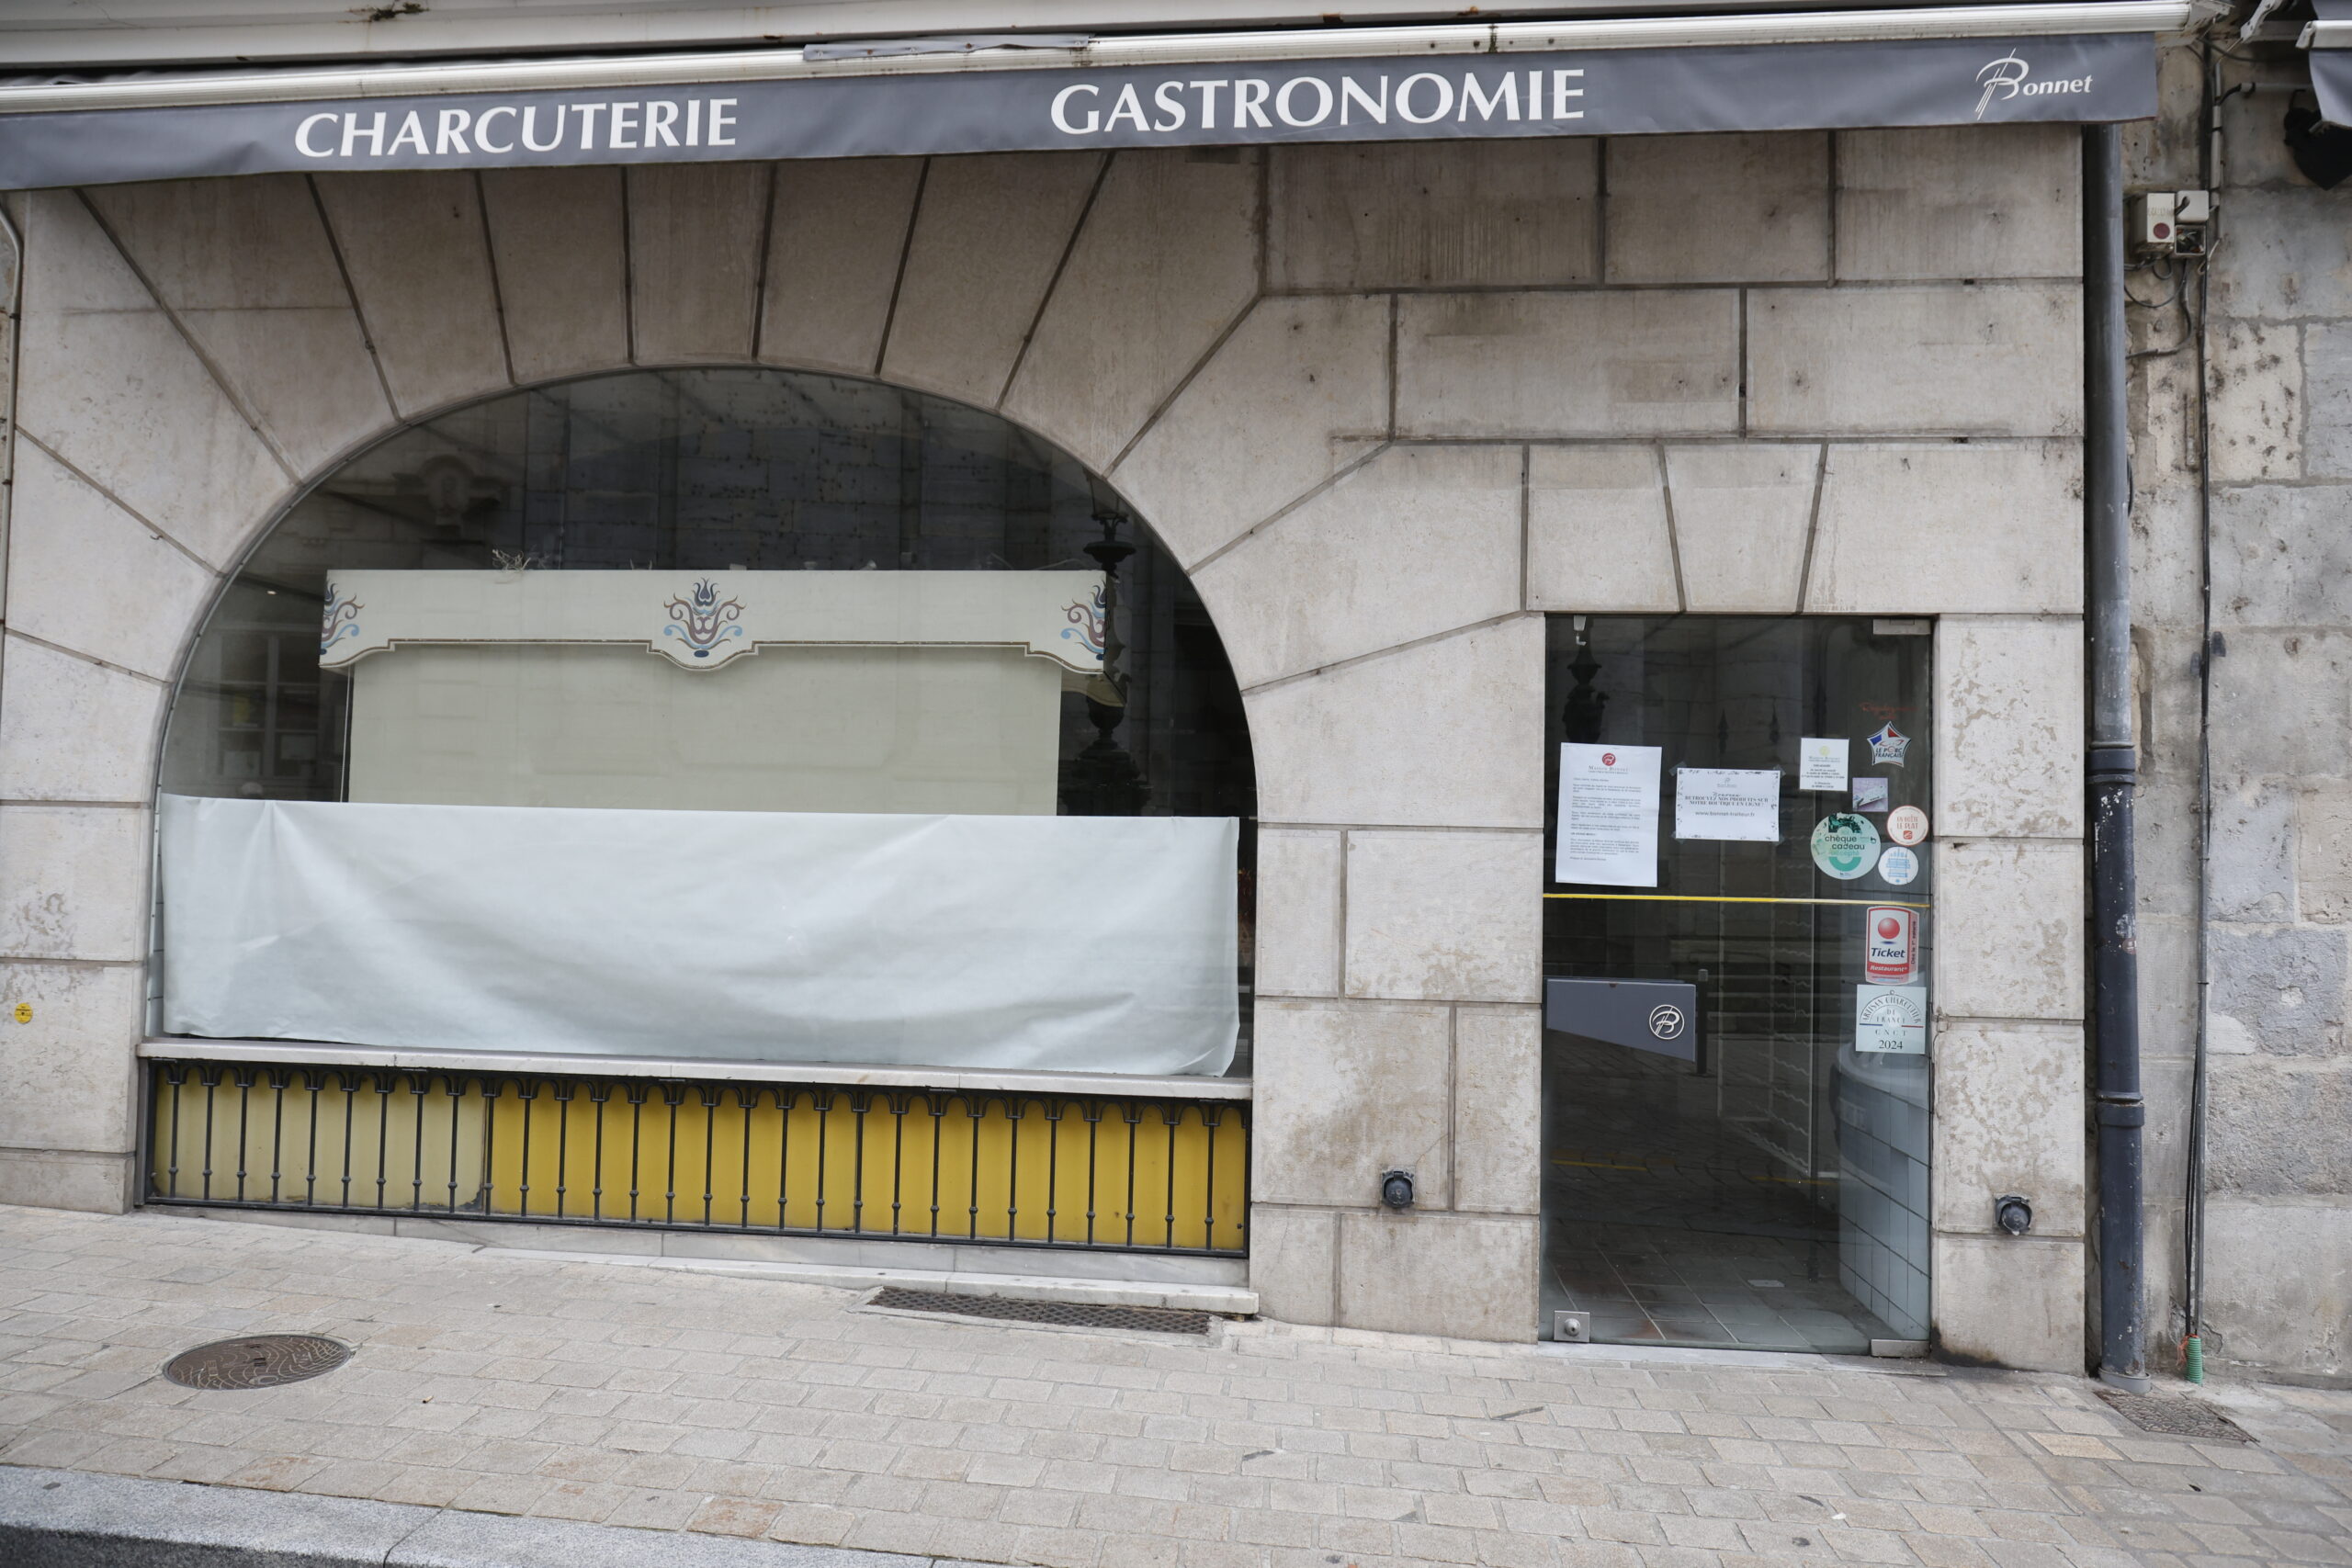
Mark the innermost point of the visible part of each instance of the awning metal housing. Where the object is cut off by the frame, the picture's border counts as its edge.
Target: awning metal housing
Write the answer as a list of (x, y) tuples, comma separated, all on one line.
[(2081, 17), (65, 34), (1792, 71)]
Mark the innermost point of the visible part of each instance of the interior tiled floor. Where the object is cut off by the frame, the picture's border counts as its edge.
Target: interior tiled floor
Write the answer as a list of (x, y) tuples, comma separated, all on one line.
[(1647, 1284), (1670, 1228)]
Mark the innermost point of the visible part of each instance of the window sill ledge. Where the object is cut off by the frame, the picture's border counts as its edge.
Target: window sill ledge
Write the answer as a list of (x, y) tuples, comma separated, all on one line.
[(305, 1053)]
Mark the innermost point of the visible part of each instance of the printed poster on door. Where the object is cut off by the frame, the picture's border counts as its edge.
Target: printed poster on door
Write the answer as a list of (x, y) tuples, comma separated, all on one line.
[(1609, 798), (1741, 805)]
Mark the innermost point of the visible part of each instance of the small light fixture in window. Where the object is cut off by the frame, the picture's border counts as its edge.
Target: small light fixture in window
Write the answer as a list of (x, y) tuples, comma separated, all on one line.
[(1104, 780)]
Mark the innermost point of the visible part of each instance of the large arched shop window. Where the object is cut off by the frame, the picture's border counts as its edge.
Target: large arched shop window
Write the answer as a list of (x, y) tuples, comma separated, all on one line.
[(728, 714)]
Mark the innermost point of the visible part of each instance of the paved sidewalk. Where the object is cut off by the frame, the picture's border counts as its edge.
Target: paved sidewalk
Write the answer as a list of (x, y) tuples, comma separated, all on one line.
[(78, 1518), (749, 1407)]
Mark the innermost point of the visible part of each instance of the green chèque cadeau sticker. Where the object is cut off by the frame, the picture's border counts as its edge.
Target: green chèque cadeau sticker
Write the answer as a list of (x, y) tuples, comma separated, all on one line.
[(1845, 846)]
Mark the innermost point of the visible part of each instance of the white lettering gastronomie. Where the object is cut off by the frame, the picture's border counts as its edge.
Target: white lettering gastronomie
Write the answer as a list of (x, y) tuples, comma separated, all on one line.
[(1061, 111), (1271, 104)]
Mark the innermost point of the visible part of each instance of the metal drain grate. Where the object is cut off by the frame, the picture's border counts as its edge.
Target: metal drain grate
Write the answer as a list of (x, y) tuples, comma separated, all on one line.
[(2175, 1417), (265, 1360), (1159, 1320)]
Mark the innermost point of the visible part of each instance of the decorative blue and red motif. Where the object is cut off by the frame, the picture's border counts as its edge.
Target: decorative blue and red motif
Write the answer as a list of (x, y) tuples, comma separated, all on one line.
[(340, 619), (702, 619), (1089, 621)]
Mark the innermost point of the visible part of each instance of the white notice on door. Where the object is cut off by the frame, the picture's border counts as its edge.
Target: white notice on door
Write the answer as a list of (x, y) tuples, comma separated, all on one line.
[(1742, 804), (1608, 816), (1821, 763)]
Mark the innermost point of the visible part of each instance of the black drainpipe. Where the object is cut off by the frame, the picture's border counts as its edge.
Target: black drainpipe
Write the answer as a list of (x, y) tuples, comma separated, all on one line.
[(2113, 771)]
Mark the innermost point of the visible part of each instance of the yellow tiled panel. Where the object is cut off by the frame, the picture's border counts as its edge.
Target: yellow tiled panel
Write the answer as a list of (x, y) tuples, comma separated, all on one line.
[(1049, 1174), (915, 1164)]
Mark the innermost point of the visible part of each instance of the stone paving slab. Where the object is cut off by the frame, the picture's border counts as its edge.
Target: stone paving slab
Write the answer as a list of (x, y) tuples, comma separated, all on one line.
[(725, 1406), (70, 1518)]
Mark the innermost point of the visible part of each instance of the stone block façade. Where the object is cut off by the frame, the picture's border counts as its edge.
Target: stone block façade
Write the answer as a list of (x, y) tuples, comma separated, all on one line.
[(2275, 685), (2010, 988), (1390, 405)]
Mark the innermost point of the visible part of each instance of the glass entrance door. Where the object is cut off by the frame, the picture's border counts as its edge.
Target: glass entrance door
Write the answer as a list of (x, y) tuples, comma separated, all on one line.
[(1736, 1069)]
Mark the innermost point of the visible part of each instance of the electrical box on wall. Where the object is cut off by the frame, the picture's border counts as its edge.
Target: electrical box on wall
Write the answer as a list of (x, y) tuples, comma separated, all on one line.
[(2169, 223)]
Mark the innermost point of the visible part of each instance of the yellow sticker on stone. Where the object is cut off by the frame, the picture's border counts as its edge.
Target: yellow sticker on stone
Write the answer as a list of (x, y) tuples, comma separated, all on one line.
[(24, 1013)]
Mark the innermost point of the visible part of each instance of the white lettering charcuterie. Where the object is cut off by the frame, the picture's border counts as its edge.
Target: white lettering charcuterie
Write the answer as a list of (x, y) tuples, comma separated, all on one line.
[(385, 136)]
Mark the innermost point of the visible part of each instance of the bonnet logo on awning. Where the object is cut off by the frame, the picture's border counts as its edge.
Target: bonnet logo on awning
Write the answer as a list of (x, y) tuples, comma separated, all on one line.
[(2006, 79)]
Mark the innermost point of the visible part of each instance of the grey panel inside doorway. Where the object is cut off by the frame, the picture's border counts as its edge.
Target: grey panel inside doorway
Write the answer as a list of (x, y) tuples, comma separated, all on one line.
[(1657, 1016)]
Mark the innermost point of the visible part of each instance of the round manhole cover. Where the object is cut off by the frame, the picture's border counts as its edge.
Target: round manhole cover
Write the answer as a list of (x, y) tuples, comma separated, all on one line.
[(264, 1360)]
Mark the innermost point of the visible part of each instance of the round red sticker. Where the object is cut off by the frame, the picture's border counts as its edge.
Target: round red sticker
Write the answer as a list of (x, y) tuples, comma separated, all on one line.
[(1906, 824), (1609, 758)]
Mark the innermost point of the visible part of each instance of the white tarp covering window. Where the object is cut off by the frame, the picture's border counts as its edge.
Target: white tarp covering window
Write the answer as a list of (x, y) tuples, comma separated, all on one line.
[(1059, 943)]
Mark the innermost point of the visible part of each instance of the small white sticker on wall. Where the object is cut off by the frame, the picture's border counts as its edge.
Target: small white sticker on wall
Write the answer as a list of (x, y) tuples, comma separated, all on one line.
[(1898, 866)]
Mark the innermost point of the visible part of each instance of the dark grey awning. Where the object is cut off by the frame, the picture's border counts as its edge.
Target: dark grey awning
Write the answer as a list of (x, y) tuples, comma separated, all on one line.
[(1480, 84)]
